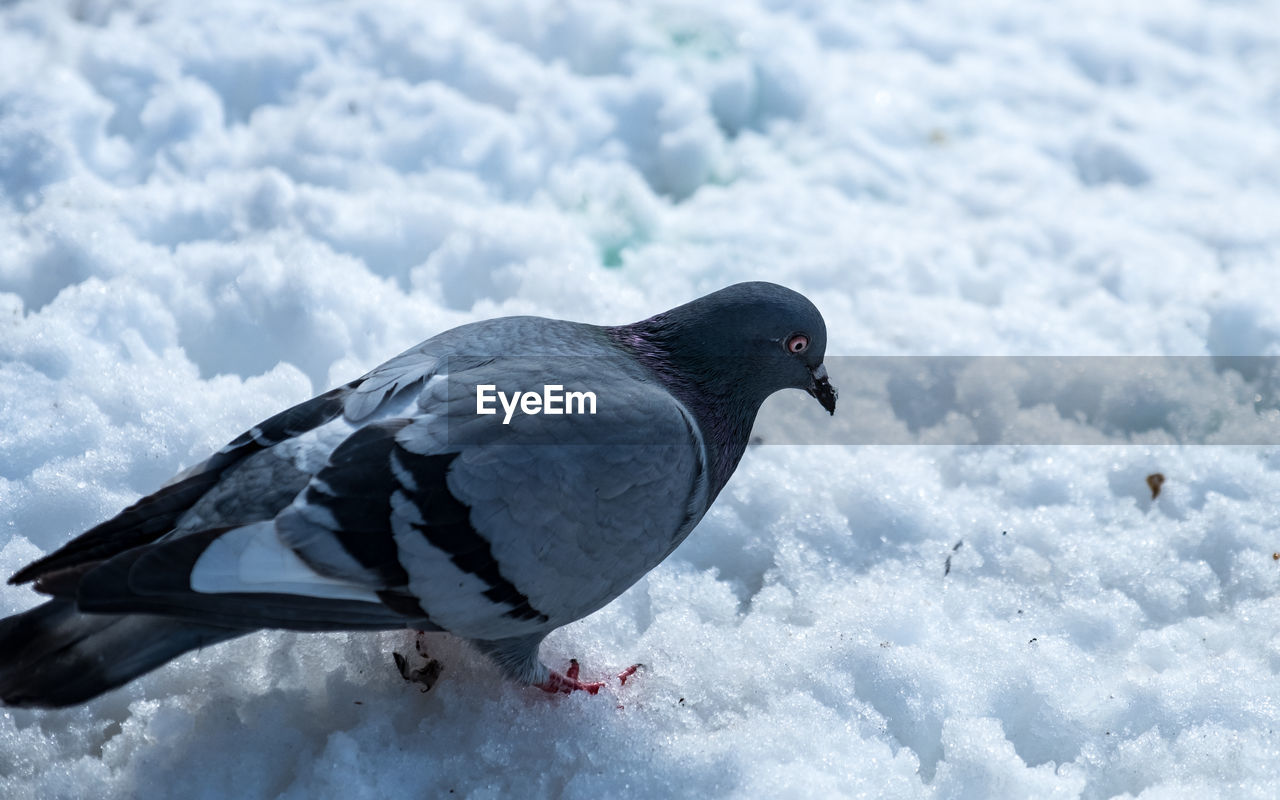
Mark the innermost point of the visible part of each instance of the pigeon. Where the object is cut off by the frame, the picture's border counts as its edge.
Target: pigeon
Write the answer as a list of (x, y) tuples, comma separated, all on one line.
[(497, 481)]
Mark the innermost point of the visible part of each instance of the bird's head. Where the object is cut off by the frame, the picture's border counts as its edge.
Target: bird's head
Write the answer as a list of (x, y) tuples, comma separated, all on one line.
[(747, 341)]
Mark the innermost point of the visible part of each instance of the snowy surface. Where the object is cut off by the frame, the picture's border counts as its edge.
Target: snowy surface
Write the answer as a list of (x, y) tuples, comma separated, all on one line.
[(211, 211)]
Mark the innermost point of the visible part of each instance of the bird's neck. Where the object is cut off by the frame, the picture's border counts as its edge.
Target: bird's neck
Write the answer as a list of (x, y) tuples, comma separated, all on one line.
[(723, 412)]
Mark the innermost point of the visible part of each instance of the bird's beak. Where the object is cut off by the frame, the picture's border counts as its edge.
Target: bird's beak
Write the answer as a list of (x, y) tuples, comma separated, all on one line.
[(821, 388)]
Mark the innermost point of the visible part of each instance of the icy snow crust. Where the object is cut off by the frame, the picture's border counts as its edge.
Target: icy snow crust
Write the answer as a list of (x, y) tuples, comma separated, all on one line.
[(211, 211)]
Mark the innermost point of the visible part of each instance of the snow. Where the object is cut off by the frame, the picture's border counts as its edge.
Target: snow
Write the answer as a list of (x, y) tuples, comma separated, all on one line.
[(211, 211)]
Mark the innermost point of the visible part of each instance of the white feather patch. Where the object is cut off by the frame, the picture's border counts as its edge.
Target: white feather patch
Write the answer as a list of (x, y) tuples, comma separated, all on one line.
[(253, 559)]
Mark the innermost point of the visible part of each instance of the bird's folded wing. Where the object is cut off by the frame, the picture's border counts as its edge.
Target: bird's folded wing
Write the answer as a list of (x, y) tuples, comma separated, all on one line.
[(500, 528), (421, 509)]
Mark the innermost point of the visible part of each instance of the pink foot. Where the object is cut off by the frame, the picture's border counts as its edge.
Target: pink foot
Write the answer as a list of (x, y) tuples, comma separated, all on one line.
[(569, 683), (627, 673)]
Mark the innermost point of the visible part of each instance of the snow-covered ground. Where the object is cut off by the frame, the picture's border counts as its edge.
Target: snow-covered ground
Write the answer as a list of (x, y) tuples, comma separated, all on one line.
[(211, 211)]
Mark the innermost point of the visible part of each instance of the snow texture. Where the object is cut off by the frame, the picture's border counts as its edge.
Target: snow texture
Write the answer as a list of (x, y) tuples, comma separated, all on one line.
[(211, 211)]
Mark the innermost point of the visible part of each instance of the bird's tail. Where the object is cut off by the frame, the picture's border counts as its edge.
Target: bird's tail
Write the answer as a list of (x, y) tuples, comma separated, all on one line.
[(54, 655)]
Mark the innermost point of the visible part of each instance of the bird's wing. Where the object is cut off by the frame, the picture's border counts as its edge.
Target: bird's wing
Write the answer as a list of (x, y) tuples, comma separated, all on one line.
[(495, 527), (422, 512), (156, 515), (252, 477)]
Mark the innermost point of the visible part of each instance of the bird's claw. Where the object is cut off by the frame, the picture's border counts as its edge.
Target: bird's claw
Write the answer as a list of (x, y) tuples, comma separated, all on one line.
[(569, 683), (627, 673), (427, 674)]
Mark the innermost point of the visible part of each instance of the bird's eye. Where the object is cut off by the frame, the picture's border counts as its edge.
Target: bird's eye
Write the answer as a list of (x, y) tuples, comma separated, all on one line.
[(797, 343)]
